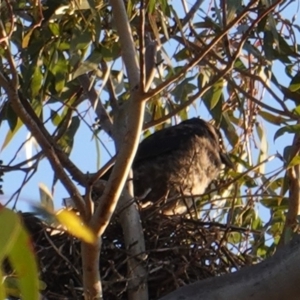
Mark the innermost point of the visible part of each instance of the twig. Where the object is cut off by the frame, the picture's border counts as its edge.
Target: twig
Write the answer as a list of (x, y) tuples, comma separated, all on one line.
[(22, 108), (93, 97)]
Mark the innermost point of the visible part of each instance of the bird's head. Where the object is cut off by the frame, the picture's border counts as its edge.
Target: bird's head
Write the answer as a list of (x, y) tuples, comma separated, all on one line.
[(215, 135)]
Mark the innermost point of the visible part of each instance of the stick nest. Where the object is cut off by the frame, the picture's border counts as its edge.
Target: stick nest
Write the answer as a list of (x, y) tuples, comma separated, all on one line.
[(180, 251)]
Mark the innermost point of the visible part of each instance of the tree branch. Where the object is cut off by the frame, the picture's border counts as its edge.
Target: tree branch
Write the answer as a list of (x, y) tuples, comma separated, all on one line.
[(206, 49), (135, 245), (22, 108), (101, 112), (129, 54), (49, 147), (126, 131)]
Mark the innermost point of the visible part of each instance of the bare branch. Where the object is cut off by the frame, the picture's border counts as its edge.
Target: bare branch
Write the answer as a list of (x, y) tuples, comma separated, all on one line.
[(93, 97), (129, 54), (150, 61)]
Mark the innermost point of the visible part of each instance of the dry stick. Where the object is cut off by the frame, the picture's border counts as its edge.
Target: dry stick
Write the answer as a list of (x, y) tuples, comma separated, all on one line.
[(261, 104), (190, 14), (9, 11), (269, 89)]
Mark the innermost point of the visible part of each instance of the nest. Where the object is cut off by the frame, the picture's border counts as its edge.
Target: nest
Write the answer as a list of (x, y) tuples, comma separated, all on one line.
[(180, 251)]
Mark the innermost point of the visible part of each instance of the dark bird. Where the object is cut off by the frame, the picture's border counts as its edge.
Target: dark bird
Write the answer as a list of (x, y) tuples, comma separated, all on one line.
[(175, 161)]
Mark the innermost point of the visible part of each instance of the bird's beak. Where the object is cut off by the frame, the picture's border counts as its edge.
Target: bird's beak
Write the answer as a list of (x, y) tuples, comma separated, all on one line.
[(226, 160)]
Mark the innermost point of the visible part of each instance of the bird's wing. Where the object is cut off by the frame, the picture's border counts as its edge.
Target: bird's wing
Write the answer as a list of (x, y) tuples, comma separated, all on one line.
[(158, 143), (168, 139)]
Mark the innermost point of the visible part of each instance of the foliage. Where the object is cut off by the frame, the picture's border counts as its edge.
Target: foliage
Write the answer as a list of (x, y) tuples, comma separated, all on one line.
[(16, 247), (228, 62)]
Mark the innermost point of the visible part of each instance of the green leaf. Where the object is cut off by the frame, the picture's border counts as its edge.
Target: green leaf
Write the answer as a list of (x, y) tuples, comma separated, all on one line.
[(249, 181), (36, 82), (232, 7), (284, 50), (23, 261), (11, 133), (234, 237), (80, 40), (227, 125), (110, 52), (257, 224), (296, 110), (54, 28), (253, 51), (275, 203), (213, 96), (90, 64), (183, 90), (263, 153), (16, 246), (239, 65), (183, 54), (26, 38), (12, 286), (55, 117), (59, 71), (268, 45), (67, 140), (295, 83), (10, 229), (151, 6), (11, 117), (295, 161), (75, 225), (287, 129), (276, 120), (2, 291)]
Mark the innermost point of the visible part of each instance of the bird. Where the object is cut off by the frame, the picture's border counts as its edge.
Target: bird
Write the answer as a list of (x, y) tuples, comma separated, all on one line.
[(179, 160)]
